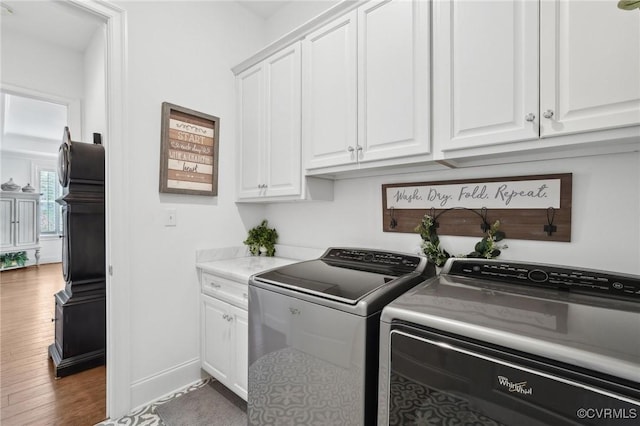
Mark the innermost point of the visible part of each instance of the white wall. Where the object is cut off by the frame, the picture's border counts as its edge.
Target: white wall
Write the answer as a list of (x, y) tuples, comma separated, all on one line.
[(605, 214), (45, 69), (182, 53), (293, 15)]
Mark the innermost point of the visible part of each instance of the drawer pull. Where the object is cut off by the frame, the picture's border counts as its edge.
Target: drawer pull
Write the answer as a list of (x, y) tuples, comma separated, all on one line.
[(214, 285), (294, 311), (227, 317)]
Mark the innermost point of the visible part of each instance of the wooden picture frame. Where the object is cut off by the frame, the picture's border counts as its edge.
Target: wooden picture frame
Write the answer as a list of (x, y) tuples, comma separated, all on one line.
[(189, 151)]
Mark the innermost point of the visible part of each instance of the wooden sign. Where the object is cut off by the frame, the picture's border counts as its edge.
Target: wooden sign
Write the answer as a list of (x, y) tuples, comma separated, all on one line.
[(189, 151), (528, 207)]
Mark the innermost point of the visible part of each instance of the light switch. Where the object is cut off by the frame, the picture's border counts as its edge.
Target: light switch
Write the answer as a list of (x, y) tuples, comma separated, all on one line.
[(170, 218)]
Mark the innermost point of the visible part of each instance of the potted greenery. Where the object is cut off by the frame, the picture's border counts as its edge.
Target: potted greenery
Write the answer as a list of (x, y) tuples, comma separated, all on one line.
[(9, 260), (262, 239)]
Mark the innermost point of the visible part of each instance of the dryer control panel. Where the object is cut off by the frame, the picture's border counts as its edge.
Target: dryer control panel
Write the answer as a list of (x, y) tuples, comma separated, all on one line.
[(548, 276)]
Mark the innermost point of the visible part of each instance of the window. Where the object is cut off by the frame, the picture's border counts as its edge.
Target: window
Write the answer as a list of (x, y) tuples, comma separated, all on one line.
[(44, 174), (50, 211)]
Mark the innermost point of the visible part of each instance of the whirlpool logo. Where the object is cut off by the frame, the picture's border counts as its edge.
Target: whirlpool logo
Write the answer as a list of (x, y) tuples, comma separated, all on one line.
[(520, 387)]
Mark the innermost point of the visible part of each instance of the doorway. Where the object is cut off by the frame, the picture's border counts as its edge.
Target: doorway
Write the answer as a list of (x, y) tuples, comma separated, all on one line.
[(112, 19)]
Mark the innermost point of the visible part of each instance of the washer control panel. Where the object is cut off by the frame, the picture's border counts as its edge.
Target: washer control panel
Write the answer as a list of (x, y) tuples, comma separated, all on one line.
[(550, 276), (373, 257)]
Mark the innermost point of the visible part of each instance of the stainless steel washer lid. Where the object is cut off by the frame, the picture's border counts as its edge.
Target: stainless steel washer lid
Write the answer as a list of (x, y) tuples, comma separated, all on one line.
[(595, 333), (355, 280)]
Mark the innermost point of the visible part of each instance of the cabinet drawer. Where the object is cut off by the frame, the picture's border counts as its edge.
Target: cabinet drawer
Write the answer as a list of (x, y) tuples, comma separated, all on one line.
[(222, 288)]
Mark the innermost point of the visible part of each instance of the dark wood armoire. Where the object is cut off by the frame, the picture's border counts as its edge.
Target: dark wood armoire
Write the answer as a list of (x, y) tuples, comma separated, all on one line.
[(80, 308)]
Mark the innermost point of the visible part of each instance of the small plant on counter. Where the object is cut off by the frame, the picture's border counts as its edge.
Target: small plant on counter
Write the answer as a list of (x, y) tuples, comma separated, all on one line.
[(262, 239), (8, 260), (486, 248)]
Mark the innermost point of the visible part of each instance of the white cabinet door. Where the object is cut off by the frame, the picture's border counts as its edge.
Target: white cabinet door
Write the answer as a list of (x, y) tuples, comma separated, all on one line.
[(250, 92), (26, 222), (6, 222), (329, 114), (240, 351), (590, 66), (215, 339), (393, 79), (485, 68), (283, 144)]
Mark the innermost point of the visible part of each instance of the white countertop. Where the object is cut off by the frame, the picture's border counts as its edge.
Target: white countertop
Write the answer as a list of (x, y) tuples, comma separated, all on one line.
[(235, 263), (241, 268)]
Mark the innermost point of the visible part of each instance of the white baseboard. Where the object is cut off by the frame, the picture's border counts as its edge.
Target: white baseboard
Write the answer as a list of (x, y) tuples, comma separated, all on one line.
[(52, 259), (154, 387)]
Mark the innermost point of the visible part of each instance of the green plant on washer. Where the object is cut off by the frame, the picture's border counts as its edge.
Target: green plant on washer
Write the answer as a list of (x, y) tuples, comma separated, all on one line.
[(262, 239), (8, 260)]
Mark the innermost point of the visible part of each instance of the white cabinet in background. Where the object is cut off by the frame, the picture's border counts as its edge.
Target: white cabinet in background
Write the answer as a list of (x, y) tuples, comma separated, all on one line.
[(329, 82), (366, 87), (487, 90), (224, 343), (270, 157), (19, 224), (485, 72), (393, 79), (269, 131), (589, 66)]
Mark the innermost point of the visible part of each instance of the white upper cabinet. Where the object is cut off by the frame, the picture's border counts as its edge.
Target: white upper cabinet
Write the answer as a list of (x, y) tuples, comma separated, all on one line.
[(485, 72), (487, 89), (250, 91), (393, 79), (366, 86), (269, 148), (590, 66), (329, 82), (283, 146)]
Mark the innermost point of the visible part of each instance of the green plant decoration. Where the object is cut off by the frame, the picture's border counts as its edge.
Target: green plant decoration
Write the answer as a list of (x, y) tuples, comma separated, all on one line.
[(485, 248), (262, 239), (8, 260), (629, 4)]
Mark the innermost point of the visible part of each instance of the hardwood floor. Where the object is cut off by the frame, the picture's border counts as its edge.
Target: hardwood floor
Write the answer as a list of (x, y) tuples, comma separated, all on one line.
[(29, 393)]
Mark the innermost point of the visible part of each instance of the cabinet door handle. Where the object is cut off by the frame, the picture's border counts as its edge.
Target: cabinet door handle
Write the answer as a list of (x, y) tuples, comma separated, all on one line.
[(245, 295), (530, 117), (358, 148), (350, 148), (547, 114), (294, 311)]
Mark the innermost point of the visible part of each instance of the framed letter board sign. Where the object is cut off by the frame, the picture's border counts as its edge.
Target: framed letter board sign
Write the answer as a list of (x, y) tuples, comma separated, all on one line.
[(189, 151)]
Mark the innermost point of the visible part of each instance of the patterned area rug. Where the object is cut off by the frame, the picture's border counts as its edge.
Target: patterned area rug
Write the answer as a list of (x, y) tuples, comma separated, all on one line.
[(148, 415)]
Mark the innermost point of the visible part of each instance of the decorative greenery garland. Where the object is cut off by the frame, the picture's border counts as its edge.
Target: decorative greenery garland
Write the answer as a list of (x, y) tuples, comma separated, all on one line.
[(485, 248)]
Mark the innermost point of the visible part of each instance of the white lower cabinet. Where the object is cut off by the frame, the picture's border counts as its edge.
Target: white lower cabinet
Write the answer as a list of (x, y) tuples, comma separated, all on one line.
[(224, 343)]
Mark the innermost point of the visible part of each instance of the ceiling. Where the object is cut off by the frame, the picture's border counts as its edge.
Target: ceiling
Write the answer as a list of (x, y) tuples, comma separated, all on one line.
[(56, 22), (62, 24)]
